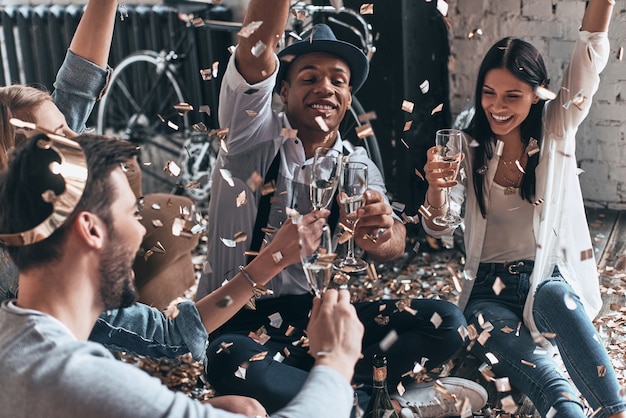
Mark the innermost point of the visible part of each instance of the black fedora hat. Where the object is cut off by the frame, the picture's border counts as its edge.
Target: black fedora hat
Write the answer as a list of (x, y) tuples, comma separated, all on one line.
[(320, 38)]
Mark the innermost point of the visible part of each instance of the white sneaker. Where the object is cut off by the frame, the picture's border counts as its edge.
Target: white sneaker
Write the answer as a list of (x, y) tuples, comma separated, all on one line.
[(446, 397)]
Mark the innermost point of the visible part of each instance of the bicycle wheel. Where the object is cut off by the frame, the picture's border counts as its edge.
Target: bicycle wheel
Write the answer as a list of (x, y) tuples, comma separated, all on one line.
[(350, 130), (139, 107)]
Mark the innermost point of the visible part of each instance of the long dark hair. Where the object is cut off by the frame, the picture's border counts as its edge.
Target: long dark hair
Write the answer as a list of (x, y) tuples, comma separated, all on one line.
[(525, 63)]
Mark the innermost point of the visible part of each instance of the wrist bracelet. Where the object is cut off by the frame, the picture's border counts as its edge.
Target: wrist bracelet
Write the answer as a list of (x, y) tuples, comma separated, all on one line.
[(257, 289), (429, 206)]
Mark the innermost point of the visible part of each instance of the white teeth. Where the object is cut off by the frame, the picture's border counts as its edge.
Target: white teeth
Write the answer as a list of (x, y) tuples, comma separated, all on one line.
[(501, 118), (321, 107)]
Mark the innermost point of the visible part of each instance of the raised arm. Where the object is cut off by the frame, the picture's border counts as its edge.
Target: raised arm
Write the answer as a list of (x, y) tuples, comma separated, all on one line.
[(92, 39), (597, 15), (274, 15)]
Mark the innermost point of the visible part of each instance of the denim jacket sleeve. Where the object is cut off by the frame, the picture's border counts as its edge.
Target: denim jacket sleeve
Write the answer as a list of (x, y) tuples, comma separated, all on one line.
[(78, 85), (142, 330)]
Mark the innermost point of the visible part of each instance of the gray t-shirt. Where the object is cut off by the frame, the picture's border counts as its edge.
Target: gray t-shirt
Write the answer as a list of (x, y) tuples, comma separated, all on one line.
[(47, 372)]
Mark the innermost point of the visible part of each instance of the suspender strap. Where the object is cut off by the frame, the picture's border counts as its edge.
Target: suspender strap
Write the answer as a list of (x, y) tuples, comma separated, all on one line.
[(263, 212)]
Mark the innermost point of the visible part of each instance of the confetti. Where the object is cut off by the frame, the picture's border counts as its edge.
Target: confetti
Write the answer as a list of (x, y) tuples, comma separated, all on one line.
[(249, 29), (276, 320), (251, 113), (620, 53), (321, 123), (183, 108), (277, 256), (586, 254), (408, 106), (601, 371), (498, 286), (528, 363), (364, 131), (502, 384), (492, 358), (258, 49), (229, 242), (407, 125), (437, 109), (227, 176), (508, 404), (389, 340), (442, 7), (482, 170), (366, 9), (425, 86), (365, 117), (436, 320), (241, 200), (545, 94), (224, 348), (475, 33), (259, 356), (241, 372), (172, 169), (289, 133), (381, 320)]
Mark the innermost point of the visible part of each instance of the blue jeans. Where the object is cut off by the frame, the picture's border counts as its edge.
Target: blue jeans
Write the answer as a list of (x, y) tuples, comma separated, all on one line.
[(576, 338), (275, 383)]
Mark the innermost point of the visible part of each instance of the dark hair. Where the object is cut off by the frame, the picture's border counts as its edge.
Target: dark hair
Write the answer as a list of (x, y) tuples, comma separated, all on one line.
[(21, 205), (17, 102), (525, 63)]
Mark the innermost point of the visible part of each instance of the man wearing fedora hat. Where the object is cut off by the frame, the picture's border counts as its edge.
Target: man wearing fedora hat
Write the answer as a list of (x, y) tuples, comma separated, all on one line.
[(270, 154)]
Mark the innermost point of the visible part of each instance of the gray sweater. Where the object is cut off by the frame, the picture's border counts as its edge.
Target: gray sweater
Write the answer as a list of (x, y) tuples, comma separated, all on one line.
[(46, 372)]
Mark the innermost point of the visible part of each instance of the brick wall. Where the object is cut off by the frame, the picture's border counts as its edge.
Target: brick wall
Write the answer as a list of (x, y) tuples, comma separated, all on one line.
[(551, 26)]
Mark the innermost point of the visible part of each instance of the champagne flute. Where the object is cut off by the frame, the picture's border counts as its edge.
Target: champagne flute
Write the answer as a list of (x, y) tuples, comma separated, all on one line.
[(449, 144), (353, 186), (316, 256), (325, 174)]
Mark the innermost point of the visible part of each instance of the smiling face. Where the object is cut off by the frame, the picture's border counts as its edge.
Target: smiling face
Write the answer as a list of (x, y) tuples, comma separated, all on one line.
[(506, 101), (317, 84)]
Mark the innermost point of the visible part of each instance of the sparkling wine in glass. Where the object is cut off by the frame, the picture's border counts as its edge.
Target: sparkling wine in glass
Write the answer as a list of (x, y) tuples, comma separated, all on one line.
[(353, 186), (325, 174), (316, 256), (449, 144)]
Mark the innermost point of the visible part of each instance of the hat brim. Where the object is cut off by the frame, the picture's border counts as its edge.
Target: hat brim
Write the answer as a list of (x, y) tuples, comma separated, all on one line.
[(356, 59)]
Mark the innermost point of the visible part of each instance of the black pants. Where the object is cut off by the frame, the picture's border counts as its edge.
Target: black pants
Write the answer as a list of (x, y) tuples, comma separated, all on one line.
[(428, 332)]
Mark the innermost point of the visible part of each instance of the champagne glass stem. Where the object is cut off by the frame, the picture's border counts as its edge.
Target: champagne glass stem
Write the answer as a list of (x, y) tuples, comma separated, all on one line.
[(350, 259)]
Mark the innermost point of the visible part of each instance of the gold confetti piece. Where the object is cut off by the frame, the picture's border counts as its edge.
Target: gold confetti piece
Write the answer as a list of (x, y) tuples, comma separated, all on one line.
[(367, 9), (321, 123), (227, 176), (252, 113), (224, 302), (249, 29), (407, 125), (407, 106), (620, 53), (475, 33), (483, 337), (532, 148), (381, 319), (372, 275), (508, 404), (400, 389), (507, 329), (259, 356), (404, 143), (290, 330), (425, 212), (258, 49), (498, 286), (437, 109), (205, 109), (364, 131), (241, 200), (199, 127), (157, 223), (260, 336), (586, 254), (528, 363), (172, 125), (365, 117), (389, 340), (599, 408), (425, 86), (538, 202), (579, 99), (519, 327), (198, 22), (289, 133), (241, 372), (240, 236), (206, 74), (172, 169), (183, 108), (229, 242), (286, 352), (224, 348)]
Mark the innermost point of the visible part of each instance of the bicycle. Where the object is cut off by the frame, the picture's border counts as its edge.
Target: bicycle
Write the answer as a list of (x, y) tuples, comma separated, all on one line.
[(146, 104)]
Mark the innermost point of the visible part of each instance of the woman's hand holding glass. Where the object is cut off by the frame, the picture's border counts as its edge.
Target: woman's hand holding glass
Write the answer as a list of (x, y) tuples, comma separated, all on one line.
[(442, 169)]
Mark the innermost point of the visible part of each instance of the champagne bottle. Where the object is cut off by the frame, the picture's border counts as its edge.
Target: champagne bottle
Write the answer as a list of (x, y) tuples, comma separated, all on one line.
[(380, 405)]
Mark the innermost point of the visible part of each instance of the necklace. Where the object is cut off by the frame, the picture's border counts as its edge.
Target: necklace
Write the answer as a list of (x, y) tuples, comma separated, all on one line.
[(512, 172)]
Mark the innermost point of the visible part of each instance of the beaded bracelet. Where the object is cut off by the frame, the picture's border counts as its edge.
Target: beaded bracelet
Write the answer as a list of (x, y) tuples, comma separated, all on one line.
[(257, 289)]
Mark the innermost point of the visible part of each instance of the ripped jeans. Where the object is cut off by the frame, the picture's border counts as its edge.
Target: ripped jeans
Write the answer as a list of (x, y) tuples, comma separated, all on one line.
[(557, 310)]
